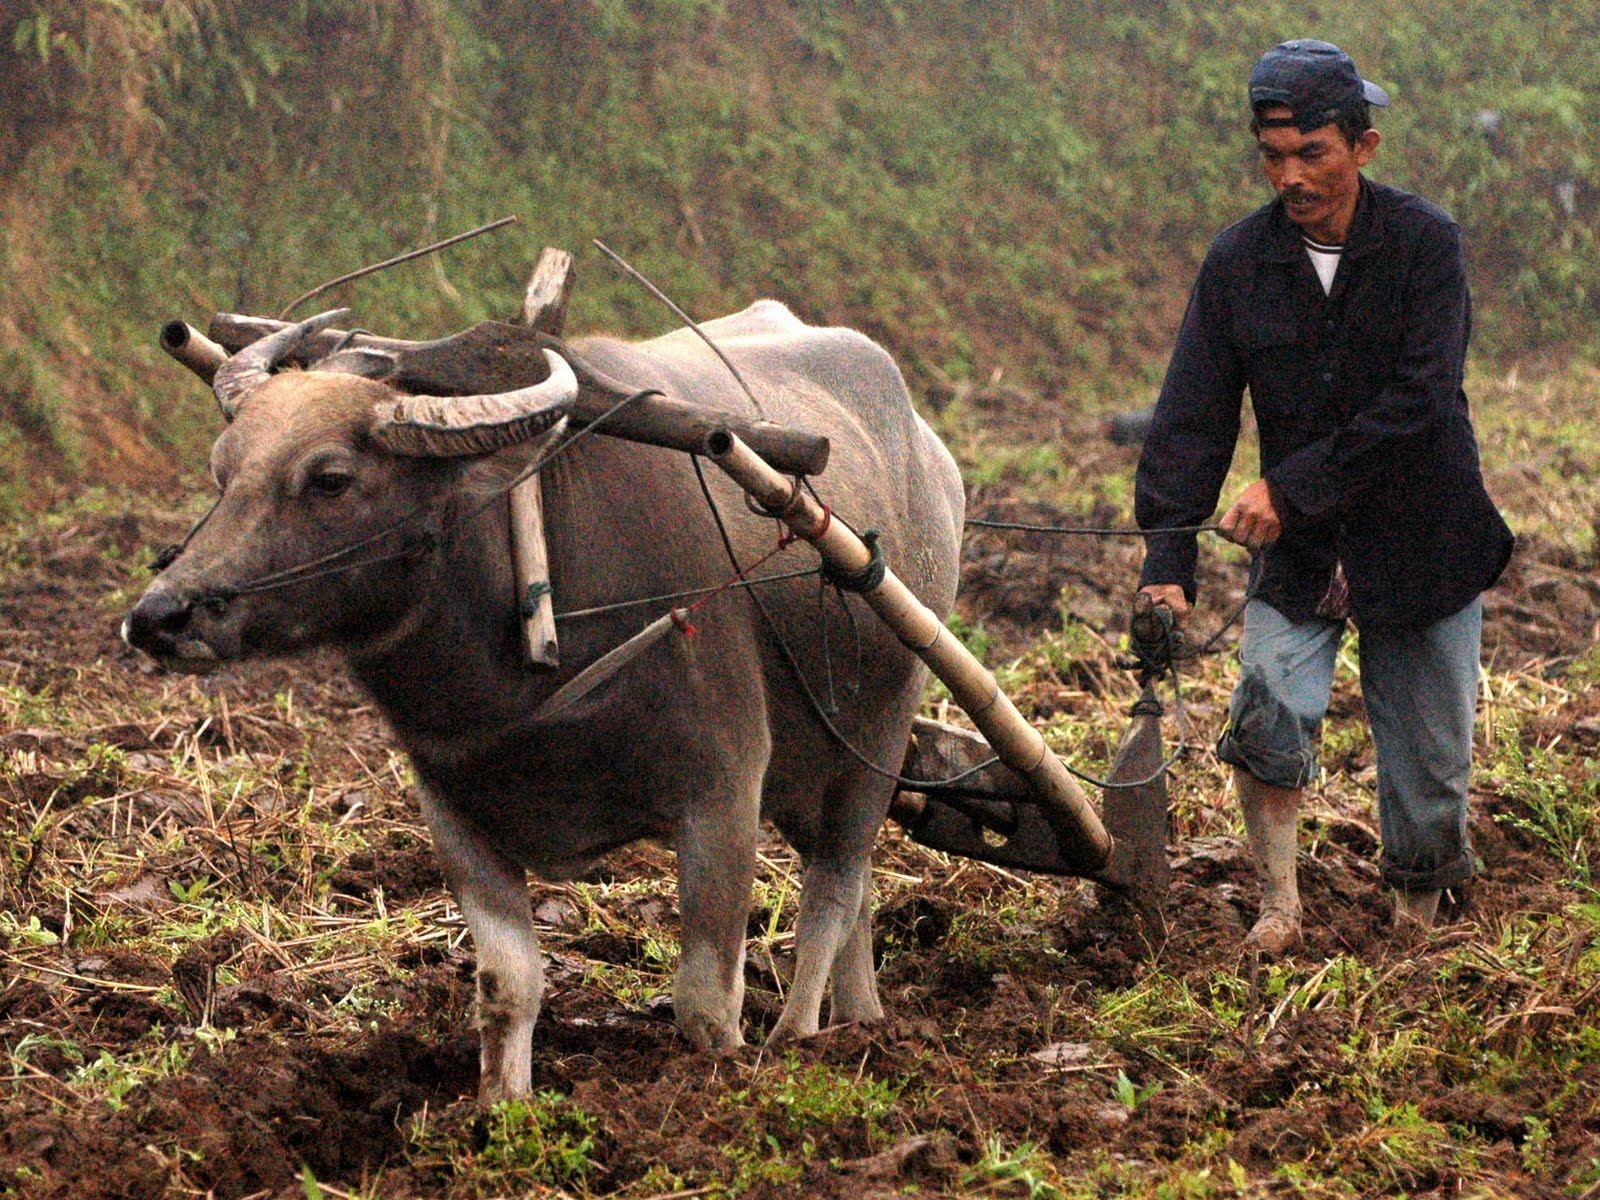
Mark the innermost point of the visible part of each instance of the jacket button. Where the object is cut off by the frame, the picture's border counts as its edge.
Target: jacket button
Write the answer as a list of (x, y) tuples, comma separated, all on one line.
[(1327, 377)]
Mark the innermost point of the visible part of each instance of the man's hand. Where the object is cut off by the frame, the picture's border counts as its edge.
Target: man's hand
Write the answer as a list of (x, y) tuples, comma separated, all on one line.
[(1253, 520), (1172, 596)]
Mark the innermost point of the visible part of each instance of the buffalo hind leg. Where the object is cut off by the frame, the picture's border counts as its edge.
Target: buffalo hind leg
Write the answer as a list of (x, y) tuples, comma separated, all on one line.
[(831, 938), (716, 870), (830, 899), (854, 993), (492, 893), (833, 934)]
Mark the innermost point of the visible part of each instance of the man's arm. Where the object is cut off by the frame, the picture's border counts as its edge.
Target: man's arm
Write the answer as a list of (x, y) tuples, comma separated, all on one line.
[(1336, 471), (1191, 440)]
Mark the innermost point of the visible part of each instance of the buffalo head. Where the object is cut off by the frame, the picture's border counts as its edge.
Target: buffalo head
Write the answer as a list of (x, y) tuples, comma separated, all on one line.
[(334, 486)]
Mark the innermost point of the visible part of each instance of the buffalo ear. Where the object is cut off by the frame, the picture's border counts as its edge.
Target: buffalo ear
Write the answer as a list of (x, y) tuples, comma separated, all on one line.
[(449, 426), (360, 360)]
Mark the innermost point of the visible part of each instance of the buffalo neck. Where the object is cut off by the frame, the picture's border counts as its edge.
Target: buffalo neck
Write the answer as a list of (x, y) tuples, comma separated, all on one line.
[(452, 675)]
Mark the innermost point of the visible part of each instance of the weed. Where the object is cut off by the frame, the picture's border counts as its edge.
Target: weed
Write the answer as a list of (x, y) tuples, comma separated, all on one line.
[(761, 1158), (809, 1097), (1562, 816), (110, 1077), (1026, 1169), (20, 707), (1535, 1149), (1398, 1149), (29, 932), (1130, 1096), (1160, 1014)]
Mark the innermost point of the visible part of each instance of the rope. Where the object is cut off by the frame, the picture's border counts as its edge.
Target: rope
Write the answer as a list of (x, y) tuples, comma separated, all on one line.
[(1091, 530), (738, 576), (869, 576), (598, 609)]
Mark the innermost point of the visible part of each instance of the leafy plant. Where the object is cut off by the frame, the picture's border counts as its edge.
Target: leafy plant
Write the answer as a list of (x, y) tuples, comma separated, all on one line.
[(1026, 1168), (1561, 815), (1130, 1096), (545, 1139)]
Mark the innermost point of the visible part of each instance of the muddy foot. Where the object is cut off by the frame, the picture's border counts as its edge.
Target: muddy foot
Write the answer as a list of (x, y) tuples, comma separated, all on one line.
[(1415, 912), (1275, 933)]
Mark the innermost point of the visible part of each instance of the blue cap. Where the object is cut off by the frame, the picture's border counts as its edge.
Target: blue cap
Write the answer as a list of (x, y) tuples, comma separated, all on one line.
[(1316, 80)]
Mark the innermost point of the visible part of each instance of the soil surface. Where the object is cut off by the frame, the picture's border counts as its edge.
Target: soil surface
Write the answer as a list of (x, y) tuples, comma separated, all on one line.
[(131, 888)]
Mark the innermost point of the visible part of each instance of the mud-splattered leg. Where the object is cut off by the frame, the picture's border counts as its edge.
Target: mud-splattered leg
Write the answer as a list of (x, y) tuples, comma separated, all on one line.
[(492, 892), (833, 934), (716, 869), (1271, 817)]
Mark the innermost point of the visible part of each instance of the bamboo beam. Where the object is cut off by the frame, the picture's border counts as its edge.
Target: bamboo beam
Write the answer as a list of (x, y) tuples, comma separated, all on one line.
[(1085, 844), (193, 349)]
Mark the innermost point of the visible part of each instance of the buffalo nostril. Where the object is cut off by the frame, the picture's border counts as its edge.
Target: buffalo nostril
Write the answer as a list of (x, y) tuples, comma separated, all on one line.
[(156, 621)]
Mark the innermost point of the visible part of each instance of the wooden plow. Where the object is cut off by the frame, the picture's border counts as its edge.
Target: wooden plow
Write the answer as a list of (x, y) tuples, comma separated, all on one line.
[(1022, 810)]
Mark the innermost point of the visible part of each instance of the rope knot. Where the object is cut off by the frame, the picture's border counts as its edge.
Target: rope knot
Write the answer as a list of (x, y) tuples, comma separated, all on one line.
[(869, 576), (680, 618), (537, 590)]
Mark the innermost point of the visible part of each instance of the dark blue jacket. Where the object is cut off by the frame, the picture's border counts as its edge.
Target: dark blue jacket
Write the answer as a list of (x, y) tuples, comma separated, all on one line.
[(1365, 438)]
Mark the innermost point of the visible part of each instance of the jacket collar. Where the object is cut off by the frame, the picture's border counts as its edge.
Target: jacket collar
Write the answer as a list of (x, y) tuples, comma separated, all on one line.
[(1366, 229)]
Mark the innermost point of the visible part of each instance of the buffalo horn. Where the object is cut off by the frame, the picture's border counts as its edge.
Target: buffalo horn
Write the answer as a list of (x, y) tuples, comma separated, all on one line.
[(447, 426), (254, 364)]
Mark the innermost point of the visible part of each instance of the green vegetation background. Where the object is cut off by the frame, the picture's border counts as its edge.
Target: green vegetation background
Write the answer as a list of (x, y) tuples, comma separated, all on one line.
[(984, 185)]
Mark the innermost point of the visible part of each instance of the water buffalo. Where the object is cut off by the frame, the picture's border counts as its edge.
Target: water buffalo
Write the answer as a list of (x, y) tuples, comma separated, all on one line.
[(693, 743)]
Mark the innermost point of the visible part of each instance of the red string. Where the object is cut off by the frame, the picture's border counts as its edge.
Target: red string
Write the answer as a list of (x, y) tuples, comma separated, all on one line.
[(680, 616), (822, 525)]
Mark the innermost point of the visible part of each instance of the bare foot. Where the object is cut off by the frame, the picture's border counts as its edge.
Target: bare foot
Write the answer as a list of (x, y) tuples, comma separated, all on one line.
[(1275, 933)]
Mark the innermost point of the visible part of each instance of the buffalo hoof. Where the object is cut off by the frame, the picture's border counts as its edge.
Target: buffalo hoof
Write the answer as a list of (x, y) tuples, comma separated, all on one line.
[(787, 1032), (710, 1036), (1276, 933)]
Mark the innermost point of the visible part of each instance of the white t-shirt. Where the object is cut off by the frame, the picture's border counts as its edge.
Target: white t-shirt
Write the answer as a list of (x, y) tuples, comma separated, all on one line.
[(1325, 259)]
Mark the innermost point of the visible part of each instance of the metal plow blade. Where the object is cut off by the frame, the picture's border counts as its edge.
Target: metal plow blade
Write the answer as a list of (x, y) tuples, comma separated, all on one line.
[(1135, 814), (993, 816)]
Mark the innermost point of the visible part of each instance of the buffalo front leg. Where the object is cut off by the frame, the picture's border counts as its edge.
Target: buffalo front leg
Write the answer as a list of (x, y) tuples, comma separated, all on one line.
[(716, 870), (492, 893)]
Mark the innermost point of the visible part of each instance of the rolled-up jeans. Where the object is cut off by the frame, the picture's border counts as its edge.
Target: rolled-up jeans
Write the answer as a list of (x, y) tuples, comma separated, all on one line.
[(1420, 687)]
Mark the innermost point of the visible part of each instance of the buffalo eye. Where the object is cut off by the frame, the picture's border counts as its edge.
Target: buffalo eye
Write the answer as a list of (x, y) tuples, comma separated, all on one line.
[(329, 483)]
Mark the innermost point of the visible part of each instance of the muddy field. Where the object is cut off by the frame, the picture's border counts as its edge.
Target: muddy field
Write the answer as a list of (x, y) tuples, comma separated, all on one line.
[(228, 966)]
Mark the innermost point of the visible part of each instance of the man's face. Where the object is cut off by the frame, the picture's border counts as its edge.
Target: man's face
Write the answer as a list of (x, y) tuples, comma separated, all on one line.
[(1316, 173)]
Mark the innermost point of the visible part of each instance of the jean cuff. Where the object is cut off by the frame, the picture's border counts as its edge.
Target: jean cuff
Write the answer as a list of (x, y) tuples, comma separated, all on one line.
[(1273, 767), (1429, 879)]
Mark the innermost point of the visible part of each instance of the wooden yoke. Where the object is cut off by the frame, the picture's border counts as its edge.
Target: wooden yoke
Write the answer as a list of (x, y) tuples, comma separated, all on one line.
[(544, 308)]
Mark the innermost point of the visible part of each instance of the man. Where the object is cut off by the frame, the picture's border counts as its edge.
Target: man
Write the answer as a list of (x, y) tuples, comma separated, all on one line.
[(1342, 305)]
